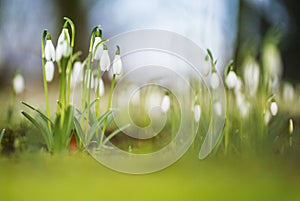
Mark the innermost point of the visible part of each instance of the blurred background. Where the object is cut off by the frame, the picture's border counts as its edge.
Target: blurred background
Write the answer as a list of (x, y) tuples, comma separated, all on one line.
[(227, 27)]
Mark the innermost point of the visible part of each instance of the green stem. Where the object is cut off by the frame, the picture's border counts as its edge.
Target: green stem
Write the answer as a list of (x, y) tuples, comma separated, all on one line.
[(44, 77), (107, 108)]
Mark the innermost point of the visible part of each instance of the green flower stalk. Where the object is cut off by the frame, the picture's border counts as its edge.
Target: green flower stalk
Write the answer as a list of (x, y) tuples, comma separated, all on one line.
[(117, 69)]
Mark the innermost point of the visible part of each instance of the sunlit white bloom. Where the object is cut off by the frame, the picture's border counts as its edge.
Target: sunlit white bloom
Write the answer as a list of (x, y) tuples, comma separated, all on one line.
[(49, 70), (105, 61), (77, 73), (117, 65), (165, 103), (197, 113), (251, 76), (231, 79), (99, 85), (272, 60), (267, 117), (205, 68), (49, 51), (214, 80), (274, 108), (218, 108), (288, 92), (63, 47), (18, 84), (97, 49)]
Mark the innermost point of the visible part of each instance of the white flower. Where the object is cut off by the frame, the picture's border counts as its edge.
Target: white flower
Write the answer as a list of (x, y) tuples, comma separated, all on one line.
[(267, 117), (165, 103), (197, 113), (63, 45), (205, 69), (117, 65), (105, 61), (49, 51), (214, 80), (97, 49), (99, 84), (77, 73), (231, 80), (251, 76), (49, 71), (244, 109), (218, 108), (288, 92), (274, 108), (18, 84)]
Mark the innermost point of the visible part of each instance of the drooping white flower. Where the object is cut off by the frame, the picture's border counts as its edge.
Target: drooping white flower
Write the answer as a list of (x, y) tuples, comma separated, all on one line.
[(197, 113), (18, 83), (165, 103), (99, 85), (206, 68), (97, 49), (231, 79), (63, 47), (267, 117), (49, 51), (105, 60), (218, 108), (288, 92), (49, 70), (214, 80), (274, 108), (77, 73), (117, 63), (251, 76)]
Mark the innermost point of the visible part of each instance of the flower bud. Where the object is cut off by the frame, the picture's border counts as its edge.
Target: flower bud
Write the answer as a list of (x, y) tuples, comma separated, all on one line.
[(49, 71), (18, 84)]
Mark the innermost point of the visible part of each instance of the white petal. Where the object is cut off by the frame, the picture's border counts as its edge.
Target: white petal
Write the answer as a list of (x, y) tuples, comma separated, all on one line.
[(165, 104), (218, 108), (288, 92), (117, 65), (97, 49), (274, 108), (77, 75), (101, 88), (251, 76), (49, 51), (267, 117), (18, 84), (205, 69), (214, 80), (105, 61), (49, 67), (59, 52), (231, 80), (197, 113)]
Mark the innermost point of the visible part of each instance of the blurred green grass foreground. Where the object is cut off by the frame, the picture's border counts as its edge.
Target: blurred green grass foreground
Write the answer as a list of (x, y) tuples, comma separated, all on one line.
[(80, 177)]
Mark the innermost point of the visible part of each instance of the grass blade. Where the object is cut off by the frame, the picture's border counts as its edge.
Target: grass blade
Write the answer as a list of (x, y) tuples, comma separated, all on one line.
[(113, 134)]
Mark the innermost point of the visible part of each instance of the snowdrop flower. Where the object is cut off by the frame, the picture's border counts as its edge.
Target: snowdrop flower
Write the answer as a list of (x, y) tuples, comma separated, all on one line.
[(214, 80), (105, 60), (272, 60), (117, 63), (63, 47), (267, 117), (97, 49), (197, 113), (99, 85), (49, 67), (274, 108), (18, 83), (165, 103), (231, 79), (218, 108), (288, 92), (77, 73), (251, 76), (206, 67), (49, 50)]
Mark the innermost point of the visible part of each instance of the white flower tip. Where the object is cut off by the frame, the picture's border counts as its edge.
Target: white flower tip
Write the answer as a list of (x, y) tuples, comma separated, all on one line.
[(117, 65), (231, 80), (214, 81), (197, 113), (274, 108), (218, 108), (18, 84), (49, 71), (165, 104)]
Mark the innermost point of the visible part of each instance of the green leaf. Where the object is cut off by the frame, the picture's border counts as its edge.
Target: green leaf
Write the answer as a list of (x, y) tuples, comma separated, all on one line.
[(46, 134), (113, 134), (44, 117), (1, 135), (79, 130), (97, 124)]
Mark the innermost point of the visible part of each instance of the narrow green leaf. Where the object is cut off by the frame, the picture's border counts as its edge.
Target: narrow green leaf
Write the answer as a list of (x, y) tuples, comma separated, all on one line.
[(1, 135), (113, 134), (79, 130), (97, 124)]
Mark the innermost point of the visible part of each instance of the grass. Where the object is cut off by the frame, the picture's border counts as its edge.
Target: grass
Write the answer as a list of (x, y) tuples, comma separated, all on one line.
[(80, 177)]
